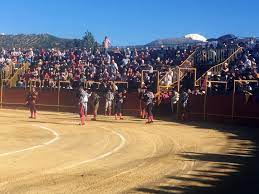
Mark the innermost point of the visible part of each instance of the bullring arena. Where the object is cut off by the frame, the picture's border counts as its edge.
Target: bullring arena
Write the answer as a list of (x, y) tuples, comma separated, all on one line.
[(53, 154)]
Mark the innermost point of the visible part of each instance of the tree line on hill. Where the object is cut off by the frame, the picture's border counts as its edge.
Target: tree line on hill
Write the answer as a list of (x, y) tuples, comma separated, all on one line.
[(47, 41)]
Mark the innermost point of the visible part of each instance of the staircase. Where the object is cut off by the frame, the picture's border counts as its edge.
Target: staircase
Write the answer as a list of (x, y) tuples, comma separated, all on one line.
[(188, 63), (12, 81), (217, 68)]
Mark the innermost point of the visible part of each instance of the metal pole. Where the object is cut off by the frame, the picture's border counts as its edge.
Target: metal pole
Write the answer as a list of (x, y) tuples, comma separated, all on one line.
[(178, 80), (195, 78), (178, 90), (233, 100), (142, 77), (158, 82)]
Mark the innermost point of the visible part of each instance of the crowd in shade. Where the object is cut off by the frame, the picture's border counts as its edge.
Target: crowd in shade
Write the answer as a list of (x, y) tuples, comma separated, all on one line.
[(245, 68), (77, 66)]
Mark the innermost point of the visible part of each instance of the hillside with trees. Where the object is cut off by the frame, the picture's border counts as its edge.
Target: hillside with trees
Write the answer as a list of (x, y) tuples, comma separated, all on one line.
[(46, 41)]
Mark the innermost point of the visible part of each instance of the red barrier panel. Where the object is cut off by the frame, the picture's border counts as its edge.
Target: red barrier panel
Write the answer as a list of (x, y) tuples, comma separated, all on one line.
[(246, 107), (48, 100), (196, 103), (16, 95), (47, 97), (219, 105)]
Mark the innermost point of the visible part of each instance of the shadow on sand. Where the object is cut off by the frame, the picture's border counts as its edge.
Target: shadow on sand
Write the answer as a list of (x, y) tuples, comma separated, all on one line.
[(235, 172)]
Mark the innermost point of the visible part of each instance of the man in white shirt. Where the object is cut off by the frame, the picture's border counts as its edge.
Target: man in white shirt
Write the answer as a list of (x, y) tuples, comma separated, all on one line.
[(114, 67)]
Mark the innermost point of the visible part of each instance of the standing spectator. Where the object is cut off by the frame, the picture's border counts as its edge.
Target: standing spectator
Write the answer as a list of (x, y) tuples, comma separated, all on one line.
[(106, 44)]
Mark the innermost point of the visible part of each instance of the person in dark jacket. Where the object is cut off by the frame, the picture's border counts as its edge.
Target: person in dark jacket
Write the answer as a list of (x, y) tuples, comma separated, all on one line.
[(149, 98), (95, 104), (119, 99)]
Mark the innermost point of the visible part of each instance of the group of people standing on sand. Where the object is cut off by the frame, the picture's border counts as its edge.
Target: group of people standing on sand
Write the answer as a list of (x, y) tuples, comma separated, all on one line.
[(179, 102), (113, 96)]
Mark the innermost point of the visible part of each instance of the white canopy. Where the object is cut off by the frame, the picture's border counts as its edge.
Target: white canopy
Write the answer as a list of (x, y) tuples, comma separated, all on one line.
[(196, 37)]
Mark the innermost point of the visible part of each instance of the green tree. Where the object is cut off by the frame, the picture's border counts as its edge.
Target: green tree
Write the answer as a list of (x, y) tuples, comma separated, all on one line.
[(89, 41)]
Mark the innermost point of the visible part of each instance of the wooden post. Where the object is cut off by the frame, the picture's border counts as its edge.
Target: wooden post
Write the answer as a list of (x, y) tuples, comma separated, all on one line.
[(205, 98), (142, 77), (58, 94), (1, 92), (158, 82), (195, 78), (233, 100), (178, 90), (30, 84)]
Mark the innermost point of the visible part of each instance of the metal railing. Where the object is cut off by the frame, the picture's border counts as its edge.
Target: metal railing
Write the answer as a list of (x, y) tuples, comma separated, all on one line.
[(7, 71), (13, 80), (213, 56), (217, 68), (188, 63)]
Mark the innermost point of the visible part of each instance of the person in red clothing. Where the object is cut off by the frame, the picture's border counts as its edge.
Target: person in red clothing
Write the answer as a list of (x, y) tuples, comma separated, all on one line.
[(31, 102), (83, 101)]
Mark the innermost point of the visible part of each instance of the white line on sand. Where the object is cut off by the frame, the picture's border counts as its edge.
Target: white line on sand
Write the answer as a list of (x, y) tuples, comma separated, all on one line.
[(122, 143), (37, 146)]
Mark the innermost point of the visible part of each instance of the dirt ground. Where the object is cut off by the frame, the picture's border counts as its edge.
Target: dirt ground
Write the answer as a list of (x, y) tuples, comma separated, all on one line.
[(53, 154)]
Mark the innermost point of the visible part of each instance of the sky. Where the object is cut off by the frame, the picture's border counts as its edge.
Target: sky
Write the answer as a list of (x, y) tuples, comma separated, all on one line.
[(130, 22)]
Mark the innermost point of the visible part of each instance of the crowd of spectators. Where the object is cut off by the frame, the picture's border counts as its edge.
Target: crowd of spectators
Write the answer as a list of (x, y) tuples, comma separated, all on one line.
[(244, 68), (76, 66), (12, 59)]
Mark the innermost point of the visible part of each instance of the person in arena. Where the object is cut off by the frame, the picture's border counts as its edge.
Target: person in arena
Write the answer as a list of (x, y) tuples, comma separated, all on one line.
[(184, 103), (174, 99), (95, 103), (141, 92), (31, 102), (149, 98), (119, 99), (109, 97), (83, 100)]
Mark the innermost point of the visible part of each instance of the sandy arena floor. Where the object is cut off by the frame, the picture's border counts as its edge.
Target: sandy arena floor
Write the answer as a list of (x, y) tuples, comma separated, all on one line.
[(53, 154)]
